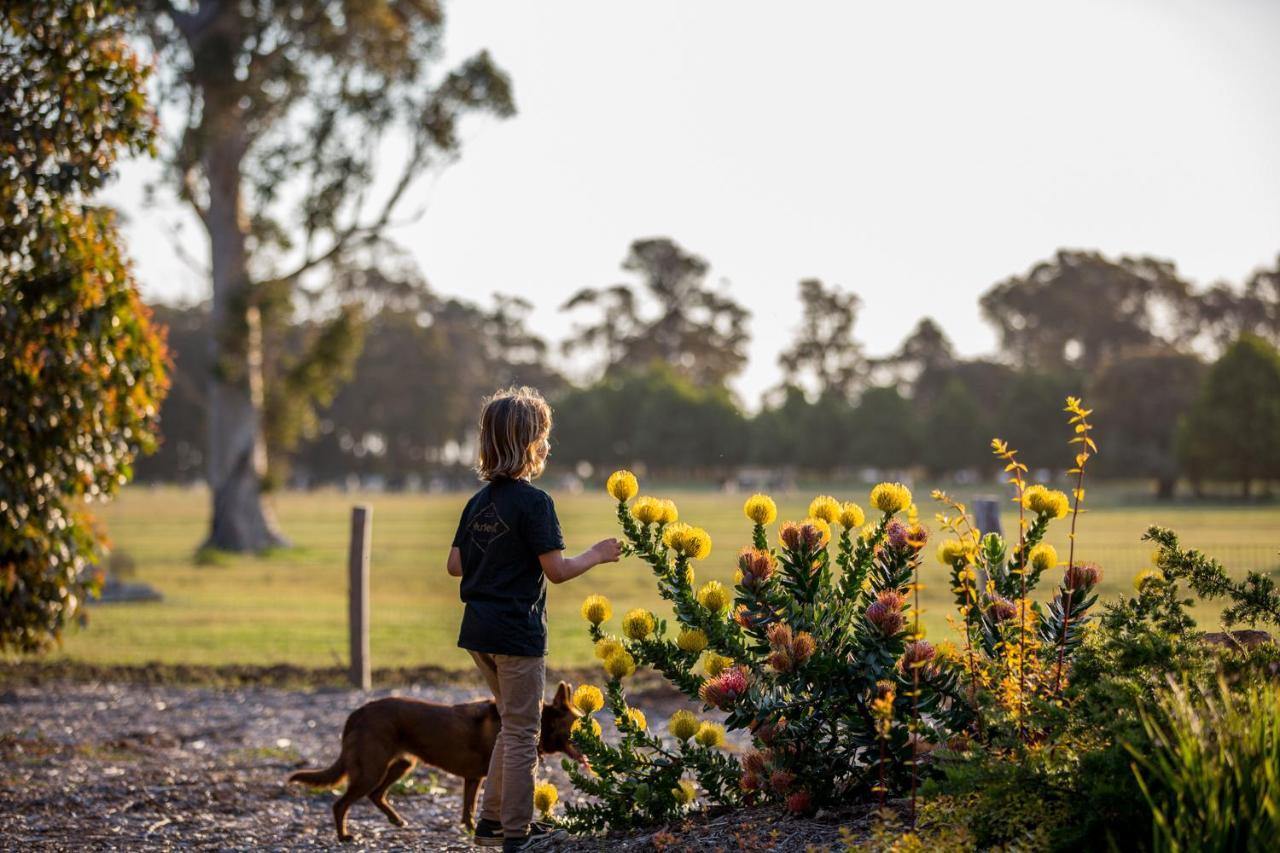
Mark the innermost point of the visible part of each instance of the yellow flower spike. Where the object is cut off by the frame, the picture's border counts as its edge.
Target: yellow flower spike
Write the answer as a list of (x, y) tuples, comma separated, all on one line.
[(638, 623), (590, 722), (545, 797), (851, 515), (596, 609), (825, 507), (890, 497), (713, 664), (669, 512), (760, 509), (638, 719), (714, 596), (620, 665), (868, 532), (1043, 557), (607, 647), (694, 543), (692, 640), (622, 485), (685, 792), (951, 551), (1147, 576), (588, 699), (647, 510), (683, 725), (710, 734)]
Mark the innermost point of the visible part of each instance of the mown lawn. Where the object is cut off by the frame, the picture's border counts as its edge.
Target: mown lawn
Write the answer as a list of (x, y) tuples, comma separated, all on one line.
[(290, 607)]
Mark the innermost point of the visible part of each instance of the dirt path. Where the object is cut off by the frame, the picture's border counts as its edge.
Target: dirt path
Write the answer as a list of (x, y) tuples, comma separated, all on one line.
[(112, 767)]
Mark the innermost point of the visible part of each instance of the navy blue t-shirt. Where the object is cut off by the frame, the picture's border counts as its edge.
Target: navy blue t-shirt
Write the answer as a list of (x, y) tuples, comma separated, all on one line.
[(504, 528)]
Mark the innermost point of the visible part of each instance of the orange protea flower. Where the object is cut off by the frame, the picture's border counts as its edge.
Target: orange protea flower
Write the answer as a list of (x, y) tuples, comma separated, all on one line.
[(917, 536), (779, 635), (754, 762), (1002, 609), (799, 802), (725, 689), (824, 532), (917, 654), (767, 732), (803, 647), (781, 661), (749, 783), (756, 566), (781, 780), (790, 535)]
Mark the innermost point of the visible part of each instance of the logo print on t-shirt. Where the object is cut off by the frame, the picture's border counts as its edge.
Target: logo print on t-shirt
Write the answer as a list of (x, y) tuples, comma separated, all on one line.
[(486, 527)]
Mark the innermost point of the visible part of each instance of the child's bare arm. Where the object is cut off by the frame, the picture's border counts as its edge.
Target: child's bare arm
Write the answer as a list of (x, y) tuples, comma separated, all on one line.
[(454, 564), (558, 568)]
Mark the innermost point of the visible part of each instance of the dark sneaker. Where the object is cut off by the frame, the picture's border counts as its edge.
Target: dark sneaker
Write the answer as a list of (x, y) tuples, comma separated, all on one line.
[(510, 844), (488, 833)]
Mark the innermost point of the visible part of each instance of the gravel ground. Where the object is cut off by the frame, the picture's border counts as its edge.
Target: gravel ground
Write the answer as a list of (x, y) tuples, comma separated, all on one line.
[(135, 766)]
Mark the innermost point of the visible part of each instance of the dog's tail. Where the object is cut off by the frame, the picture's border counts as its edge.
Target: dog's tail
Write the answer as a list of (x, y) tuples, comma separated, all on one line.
[(331, 775)]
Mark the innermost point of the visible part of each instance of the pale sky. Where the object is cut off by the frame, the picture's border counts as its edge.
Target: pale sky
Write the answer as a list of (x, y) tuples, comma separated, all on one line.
[(915, 153)]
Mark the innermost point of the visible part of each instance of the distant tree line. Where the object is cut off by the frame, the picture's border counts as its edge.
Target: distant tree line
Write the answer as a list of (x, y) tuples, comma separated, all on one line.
[(1185, 382)]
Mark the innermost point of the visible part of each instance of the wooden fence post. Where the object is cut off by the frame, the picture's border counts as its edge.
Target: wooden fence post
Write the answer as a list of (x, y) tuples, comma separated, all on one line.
[(358, 595)]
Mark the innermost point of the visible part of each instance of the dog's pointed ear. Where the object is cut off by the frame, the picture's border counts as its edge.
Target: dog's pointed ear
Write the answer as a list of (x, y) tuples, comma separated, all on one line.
[(563, 693)]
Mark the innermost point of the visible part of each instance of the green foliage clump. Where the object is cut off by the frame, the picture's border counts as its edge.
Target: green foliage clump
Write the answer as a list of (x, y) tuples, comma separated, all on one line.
[(82, 371)]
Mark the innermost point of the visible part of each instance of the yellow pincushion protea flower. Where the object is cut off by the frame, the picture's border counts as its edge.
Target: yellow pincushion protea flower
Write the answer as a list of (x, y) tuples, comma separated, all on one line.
[(607, 647), (683, 725), (714, 596), (1147, 576), (1043, 501), (685, 792), (673, 535), (891, 497), (695, 544), (638, 719), (825, 507), (868, 532), (669, 512), (692, 640), (952, 550), (620, 665), (647, 510), (588, 699), (713, 664), (710, 734), (760, 509), (545, 797), (851, 515), (638, 623), (589, 722), (622, 485), (596, 609), (1043, 557)]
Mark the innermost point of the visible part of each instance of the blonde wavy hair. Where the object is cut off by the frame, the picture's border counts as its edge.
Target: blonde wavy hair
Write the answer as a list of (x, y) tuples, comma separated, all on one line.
[(513, 424)]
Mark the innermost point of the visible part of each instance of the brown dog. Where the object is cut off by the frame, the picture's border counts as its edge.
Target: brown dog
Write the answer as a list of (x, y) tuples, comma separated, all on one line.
[(382, 741)]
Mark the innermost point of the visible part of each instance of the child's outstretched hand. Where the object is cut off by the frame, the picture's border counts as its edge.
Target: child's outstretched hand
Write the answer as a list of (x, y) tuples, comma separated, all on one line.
[(607, 550)]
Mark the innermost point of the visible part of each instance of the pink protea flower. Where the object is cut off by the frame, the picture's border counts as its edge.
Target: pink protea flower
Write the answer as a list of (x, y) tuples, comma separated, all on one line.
[(790, 535), (768, 732), (779, 635), (1002, 609), (896, 533), (1082, 576), (917, 653), (811, 536), (757, 566), (754, 762), (781, 780), (802, 647), (781, 662), (725, 689), (800, 803), (887, 620)]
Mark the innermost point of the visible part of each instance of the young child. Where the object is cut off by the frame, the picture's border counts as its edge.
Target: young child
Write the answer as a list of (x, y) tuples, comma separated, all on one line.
[(507, 547)]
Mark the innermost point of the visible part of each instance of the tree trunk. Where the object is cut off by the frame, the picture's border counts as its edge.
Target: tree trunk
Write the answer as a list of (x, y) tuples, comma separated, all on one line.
[(1165, 487), (237, 451)]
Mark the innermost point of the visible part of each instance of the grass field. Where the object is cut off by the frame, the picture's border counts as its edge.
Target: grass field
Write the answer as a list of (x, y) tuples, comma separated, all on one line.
[(290, 607)]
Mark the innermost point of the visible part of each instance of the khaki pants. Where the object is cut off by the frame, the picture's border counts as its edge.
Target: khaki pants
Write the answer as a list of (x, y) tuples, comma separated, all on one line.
[(517, 683)]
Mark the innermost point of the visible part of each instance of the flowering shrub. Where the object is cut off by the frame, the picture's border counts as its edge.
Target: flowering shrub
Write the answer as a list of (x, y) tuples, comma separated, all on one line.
[(817, 649)]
